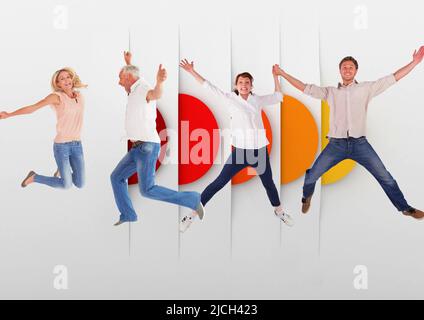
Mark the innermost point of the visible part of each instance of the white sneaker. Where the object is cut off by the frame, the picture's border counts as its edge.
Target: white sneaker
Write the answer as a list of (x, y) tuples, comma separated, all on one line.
[(185, 223), (200, 211), (285, 218)]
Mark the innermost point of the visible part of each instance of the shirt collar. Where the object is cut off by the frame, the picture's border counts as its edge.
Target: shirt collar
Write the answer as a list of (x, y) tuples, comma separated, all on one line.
[(343, 86), (135, 85)]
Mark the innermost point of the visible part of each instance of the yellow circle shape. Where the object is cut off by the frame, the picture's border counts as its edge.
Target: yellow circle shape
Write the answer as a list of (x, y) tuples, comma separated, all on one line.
[(341, 170)]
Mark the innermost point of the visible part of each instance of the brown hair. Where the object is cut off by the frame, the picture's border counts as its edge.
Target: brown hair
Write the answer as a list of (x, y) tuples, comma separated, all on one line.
[(349, 58), (243, 75)]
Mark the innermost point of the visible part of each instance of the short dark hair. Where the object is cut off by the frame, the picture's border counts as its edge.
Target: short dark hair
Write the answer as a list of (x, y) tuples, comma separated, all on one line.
[(243, 75), (349, 58)]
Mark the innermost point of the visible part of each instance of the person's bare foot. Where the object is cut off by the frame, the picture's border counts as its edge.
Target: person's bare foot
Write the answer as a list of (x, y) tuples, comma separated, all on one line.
[(28, 179)]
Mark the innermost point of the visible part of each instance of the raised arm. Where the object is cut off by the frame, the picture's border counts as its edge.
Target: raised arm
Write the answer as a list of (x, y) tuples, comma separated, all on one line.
[(189, 67), (417, 57), (277, 96), (308, 89), (51, 99), (127, 57), (292, 80), (156, 93), (275, 74)]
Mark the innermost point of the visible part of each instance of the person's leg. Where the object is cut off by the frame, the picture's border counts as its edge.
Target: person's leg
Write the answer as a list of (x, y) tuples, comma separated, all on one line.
[(145, 157), (334, 152), (264, 166), (234, 164), (77, 165), (125, 169), (365, 155), (61, 155)]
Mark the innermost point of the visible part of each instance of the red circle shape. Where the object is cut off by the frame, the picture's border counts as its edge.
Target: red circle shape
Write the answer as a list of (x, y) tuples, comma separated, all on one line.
[(199, 139)]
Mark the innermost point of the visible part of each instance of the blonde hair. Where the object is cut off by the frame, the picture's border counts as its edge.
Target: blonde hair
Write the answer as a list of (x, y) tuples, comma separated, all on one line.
[(76, 81)]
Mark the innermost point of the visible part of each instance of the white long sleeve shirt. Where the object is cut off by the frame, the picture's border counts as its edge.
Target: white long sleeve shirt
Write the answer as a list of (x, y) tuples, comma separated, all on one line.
[(349, 104), (247, 128)]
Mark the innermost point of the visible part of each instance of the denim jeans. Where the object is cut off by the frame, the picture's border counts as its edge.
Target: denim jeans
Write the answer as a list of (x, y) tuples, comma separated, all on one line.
[(142, 159), (359, 150), (69, 157), (238, 160)]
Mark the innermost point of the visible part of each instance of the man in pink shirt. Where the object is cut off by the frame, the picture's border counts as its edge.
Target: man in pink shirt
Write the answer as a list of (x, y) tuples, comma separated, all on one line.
[(348, 110)]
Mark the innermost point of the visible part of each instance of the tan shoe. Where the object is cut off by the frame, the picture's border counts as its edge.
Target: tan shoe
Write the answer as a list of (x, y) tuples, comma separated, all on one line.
[(414, 213), (24, 182), (306, 203)]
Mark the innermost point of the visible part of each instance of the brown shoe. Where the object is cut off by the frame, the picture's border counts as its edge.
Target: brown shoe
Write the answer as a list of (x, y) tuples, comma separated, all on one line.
[(306, 203), (414, 213), (30, 174)]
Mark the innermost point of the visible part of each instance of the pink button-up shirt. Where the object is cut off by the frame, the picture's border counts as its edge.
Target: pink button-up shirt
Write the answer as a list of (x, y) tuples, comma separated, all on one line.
[(349, 104)]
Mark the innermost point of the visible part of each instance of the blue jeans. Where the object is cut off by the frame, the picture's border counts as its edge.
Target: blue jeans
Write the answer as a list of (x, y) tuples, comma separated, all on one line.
[(359, 150), (238, 160), (69, 157), (142, 159)]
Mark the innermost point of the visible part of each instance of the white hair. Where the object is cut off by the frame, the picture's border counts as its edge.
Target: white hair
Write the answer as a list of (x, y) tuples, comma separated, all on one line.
[(132, 70)]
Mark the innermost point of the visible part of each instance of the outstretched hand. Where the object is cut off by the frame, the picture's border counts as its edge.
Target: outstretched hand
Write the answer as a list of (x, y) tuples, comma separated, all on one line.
[(161, 75), (4, 115), (187, 66), (127, 57), (417, 57)]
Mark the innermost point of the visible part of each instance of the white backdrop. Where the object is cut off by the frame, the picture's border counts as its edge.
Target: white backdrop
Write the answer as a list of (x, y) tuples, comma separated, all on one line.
[(240, 250)]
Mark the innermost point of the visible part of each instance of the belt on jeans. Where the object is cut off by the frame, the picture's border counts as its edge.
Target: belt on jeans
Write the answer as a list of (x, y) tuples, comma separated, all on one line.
[(348, 138), (137, 143)]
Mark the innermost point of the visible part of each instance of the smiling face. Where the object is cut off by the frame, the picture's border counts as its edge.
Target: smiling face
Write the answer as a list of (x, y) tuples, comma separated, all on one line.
[(348, 71), (244, 85), (64, 81)]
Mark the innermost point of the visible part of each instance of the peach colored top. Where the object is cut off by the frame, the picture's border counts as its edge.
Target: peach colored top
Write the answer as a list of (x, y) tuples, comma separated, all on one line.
[(69, 114)]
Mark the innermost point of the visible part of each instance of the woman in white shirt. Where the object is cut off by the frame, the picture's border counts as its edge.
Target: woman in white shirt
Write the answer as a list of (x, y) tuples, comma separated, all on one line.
[(248, 137)]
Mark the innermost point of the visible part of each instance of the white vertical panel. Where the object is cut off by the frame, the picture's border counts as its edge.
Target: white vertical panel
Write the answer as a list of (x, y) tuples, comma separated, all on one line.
[(300, 58), (50, 227), (360, 226), (206, 246), (255, 227), (155, 235)]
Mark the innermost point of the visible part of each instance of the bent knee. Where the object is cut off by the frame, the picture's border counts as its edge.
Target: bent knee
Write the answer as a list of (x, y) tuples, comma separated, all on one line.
[(114, 176)]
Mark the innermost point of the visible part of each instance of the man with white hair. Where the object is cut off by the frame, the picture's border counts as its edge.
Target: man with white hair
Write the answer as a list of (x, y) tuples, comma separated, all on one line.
[(140, 125)]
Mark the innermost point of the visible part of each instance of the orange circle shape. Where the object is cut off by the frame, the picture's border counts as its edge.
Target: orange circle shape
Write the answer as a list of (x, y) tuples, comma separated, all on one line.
[(299, 139)]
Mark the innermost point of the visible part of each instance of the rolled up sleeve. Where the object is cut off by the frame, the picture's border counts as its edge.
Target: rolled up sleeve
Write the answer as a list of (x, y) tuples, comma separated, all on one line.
[(316, 91), (381, 85)]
